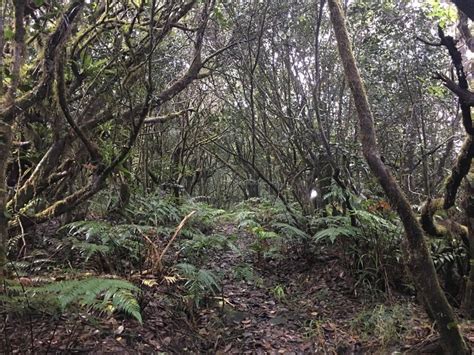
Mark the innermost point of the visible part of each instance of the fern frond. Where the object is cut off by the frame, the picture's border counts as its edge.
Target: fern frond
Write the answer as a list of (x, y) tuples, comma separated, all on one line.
[(124, 300), (186, 270), (88, 292), (332, 233), (199, 282), (289, 230), (207, 279)]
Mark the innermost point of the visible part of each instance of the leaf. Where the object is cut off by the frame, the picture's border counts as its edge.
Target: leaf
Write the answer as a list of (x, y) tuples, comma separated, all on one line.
[(149, 282), (8, 33), (333, 233)]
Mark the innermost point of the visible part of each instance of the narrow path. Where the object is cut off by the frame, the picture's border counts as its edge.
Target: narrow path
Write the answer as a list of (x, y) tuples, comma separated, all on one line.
[(272, 306)]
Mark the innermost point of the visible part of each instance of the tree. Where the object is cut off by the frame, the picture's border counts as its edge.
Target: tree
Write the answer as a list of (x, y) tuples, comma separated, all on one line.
[(420, 262), (84, 80)]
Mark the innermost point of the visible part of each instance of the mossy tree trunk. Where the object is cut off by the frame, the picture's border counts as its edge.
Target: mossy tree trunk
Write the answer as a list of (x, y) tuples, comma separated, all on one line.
[(420, 262), (8, 99), (11, 107), (5, 144), (468, 302)]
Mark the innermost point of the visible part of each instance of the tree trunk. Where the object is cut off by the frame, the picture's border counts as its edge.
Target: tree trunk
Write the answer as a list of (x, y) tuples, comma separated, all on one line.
[(468, 302), (420, 262), (5, 144)]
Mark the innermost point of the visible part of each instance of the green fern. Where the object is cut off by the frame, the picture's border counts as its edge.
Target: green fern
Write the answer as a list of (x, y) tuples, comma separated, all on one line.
[(100, 237), (154, 210), (90, 249), (372, 246), (371, 221), (289, 230), (199, 282), (101, 294), (332, 233)]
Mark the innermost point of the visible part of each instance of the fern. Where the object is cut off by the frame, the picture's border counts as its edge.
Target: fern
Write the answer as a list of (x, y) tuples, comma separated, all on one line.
[(373, 222), (199, 282), (372, 247), (90, 249), (243, 215), (289, 230), (101, 294), (332, 233), (328, 221), (200, 246), (154, 210), (100, 237)]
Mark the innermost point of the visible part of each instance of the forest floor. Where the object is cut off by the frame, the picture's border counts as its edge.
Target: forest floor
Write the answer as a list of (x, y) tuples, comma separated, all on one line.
[(265, 306)]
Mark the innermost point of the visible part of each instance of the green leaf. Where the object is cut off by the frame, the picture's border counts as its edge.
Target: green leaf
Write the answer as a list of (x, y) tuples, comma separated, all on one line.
[(8, 33), (333, 233)]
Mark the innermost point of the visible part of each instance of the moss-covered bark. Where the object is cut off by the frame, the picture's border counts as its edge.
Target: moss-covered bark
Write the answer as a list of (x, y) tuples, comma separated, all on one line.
[(5, 145), (468, 302), (420, 262), (40, 175), (427, 212), (459, 171)]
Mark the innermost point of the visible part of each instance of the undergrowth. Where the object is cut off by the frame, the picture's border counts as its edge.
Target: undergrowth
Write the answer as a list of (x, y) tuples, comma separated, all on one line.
[(92, 294), (145, 239)]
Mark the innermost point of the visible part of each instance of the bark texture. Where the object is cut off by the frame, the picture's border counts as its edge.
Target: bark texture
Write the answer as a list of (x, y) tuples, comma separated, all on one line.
[(420, 262), (468, 302), (5, 145)]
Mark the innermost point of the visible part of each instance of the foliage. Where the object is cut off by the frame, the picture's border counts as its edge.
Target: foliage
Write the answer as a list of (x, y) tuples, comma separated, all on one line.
[(264, 211), (246, 272), (201, 246), (371, 247), (98, 294), (157, 209), (278, 292), (115, 242), (271, 226), (289, 231), (206, 217), (267, 244), (451, 260), (199, 283), (387, 324), (441, 12), (448, 252)]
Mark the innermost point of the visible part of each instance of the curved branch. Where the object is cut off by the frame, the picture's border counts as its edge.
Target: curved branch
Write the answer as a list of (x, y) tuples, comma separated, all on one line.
[(54, 46), (463, 94), (459, 171), (61, 90)]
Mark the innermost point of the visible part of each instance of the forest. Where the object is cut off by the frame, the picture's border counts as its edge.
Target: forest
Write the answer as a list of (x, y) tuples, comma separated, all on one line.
[(252, 176)]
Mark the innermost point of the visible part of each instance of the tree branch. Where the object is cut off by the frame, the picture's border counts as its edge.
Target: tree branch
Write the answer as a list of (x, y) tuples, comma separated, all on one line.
[(54, 46), (465, 95)]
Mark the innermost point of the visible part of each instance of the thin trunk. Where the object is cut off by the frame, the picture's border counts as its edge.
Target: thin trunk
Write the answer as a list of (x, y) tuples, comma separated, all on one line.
[(5, 145), (420, 262)]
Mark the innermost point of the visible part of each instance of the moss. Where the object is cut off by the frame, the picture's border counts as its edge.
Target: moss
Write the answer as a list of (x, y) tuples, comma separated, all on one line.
[(458, 172), (427, 212)]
